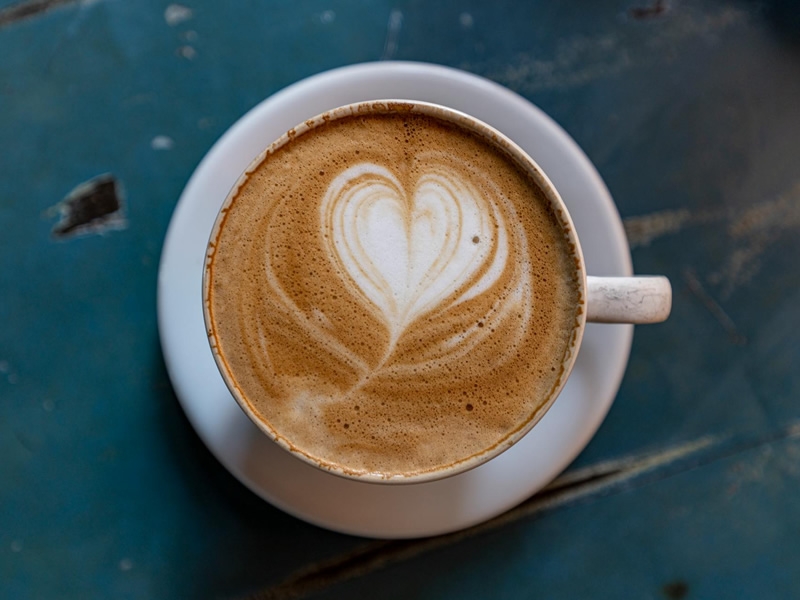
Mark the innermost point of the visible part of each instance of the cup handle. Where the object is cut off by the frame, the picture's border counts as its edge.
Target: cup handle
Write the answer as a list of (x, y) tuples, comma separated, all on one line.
[(638, 300)]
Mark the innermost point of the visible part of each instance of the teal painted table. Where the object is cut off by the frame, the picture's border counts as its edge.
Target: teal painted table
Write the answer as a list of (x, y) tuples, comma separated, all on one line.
[(691, 113)]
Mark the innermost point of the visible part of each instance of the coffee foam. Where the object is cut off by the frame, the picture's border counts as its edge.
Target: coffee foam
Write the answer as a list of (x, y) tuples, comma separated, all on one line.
[(392, 294)]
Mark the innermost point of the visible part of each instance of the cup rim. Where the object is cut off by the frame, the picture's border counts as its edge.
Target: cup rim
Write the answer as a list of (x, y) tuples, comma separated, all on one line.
[(513, 151)]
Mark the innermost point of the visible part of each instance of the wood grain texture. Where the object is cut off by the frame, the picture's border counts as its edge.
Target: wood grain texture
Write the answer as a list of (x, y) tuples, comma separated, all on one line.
[(690, 115)]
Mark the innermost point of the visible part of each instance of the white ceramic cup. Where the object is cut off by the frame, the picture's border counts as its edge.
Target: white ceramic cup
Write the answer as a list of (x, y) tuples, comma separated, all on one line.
[(637, 300)]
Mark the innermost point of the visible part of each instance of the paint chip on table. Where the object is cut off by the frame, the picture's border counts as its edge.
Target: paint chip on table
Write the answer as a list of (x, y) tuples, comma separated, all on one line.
[(5, 369), (187, 52), (327, 16), (94, 207), (126, 564), (162, 142), (176, 14)]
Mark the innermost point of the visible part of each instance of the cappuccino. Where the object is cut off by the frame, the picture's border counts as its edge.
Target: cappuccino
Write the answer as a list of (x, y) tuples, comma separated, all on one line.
[(391, 293)]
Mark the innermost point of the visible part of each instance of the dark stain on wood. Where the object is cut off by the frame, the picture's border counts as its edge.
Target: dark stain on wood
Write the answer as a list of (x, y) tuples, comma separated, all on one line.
[(676, 590), (657, 9)]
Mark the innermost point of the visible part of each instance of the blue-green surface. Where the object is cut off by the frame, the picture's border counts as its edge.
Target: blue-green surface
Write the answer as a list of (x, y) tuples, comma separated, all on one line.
[(692, 117)]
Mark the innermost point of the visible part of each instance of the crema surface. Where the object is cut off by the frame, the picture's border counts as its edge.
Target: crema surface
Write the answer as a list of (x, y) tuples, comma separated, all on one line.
[(390, 293)]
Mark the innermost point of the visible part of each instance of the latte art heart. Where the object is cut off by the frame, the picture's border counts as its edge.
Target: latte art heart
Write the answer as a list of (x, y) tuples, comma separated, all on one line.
[(409, 251)]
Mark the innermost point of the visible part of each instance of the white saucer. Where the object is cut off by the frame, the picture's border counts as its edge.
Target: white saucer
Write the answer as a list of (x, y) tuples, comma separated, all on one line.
[(372, 509)]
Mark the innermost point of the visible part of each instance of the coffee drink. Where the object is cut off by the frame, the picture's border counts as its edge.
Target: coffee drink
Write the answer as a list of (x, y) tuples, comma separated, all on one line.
[(392, 293)]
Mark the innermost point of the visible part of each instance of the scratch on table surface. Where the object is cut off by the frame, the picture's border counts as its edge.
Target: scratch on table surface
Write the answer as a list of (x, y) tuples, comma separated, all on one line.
[(392, 34), (755, 230), (644, 229), (575, 62), (756, 471), (93, 207), (753, 471), (26, 9), (626, 467), (697, 289), (691, 21), (579, 60), (752, 230), (595, 480), (792, 463), (584, 484)]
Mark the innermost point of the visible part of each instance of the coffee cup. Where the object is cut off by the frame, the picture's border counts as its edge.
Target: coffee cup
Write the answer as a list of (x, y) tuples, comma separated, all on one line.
[(394, 292)]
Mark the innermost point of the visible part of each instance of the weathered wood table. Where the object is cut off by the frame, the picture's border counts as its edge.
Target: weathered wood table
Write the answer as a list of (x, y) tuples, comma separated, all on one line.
[(689, 110)]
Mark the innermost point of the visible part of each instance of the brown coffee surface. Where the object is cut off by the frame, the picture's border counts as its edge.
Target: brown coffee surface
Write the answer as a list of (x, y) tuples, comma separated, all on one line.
[(392, 294)]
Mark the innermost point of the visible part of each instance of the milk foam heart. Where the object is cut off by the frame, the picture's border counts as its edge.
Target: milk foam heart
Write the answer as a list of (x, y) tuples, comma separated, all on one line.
[(409, 251)]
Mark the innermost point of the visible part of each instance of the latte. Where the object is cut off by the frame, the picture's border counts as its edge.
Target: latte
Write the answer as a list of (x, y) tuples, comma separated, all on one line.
[(391, 293)]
